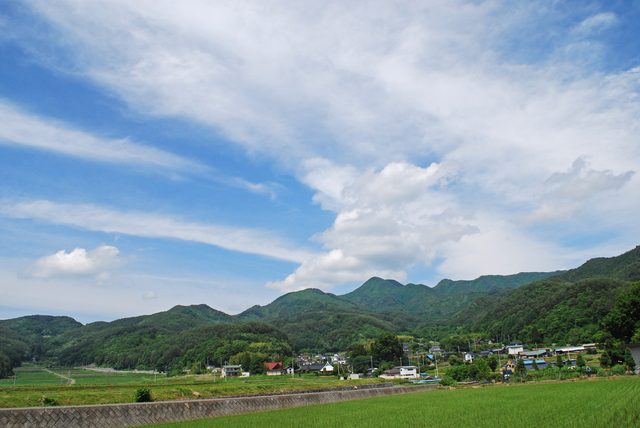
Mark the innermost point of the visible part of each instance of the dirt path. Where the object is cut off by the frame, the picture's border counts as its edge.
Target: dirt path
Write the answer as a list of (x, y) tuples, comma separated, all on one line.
[(71, 381)]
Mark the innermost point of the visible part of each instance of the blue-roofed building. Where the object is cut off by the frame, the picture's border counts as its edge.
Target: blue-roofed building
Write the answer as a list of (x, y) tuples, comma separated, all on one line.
[(528, 364)]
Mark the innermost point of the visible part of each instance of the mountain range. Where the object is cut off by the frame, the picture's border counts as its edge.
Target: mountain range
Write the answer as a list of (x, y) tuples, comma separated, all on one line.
[(561, 306)]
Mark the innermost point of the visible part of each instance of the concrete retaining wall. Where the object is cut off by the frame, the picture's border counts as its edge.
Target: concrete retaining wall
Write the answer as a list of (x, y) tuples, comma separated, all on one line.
[(131, 414)]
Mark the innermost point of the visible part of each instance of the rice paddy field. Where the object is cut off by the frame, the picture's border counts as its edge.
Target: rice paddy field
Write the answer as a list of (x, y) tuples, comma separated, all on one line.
[(33, 384), (602, 402)]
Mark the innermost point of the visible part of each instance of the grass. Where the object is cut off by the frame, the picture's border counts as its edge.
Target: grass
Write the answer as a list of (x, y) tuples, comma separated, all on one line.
[(32, 384), (594, 403)]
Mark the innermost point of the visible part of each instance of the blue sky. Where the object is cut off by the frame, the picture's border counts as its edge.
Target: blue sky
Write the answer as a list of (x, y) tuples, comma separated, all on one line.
[(155, 153)]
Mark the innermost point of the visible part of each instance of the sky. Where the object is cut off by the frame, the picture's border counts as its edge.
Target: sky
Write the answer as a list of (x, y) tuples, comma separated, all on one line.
[(156, 153)]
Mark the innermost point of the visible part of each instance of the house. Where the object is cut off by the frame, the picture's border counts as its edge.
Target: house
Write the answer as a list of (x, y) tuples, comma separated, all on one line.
[(327, 368), (435, 349), (370, 371), (274, 369), (355, 376), (569, 350), (401, 372), (485, 353), (534, 354), (528, 364), (338, 359), (469, 357), (635, 353), (289, 370), (311, 367), (231, 371), (514, 349)]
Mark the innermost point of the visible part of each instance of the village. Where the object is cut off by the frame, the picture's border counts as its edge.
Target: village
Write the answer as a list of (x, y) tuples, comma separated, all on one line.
[(426, 366)]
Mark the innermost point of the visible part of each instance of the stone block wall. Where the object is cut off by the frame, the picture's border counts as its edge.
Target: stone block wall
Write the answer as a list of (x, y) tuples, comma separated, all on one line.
[(132, 414)]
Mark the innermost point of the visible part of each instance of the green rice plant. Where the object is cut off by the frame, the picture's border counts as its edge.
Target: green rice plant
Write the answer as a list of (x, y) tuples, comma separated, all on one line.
[(594, 403)]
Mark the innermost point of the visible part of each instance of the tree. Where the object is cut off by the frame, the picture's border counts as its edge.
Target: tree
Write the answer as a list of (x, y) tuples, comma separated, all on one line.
[(246, 362), (534, 365), (387, 347), (559, 364), (473, 371), (624, 319), (535, 335), (493, 363), (6, 368), (454, 360), (521, 369), (580, 363), (605, 360), (629, 361)]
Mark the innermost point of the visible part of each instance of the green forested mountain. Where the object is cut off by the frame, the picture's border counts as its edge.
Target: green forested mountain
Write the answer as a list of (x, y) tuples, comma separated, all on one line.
[(560, 307), (294, 303), (489, 282), (438, 303), (565, 308), (625, 267)]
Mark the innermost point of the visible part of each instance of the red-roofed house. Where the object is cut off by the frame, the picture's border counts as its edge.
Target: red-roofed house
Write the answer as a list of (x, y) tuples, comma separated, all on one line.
[(274, 369)]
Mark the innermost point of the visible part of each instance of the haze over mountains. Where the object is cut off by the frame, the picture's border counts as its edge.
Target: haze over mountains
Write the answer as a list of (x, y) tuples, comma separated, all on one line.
[(542, 307)]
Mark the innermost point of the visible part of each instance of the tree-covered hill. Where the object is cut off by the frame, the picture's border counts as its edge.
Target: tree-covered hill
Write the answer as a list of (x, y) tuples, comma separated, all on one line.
[(625, 267), (151, 347), (489, 282), (293, 303), (35, 326)]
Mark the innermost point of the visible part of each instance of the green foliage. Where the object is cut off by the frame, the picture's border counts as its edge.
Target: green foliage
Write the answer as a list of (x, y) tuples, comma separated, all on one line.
[(459, 373), (448, 381), (618, 370), (628, 360), (605, 360), (142, 395), (246, 362), (387, 347), (493, 363), (534, 365), (6, 369), (580, 362), (624, 319)]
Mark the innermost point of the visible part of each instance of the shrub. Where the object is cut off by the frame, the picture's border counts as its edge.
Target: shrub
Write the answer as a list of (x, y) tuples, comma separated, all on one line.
[(448, 381), (618, 369), (46, 401), (142, 395)]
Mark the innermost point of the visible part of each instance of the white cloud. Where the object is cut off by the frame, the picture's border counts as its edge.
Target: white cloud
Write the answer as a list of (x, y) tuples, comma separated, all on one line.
[(17, 127), (149, 295), (78, 262), (388, 221), (569, 192), (598, 22), (252, 241)]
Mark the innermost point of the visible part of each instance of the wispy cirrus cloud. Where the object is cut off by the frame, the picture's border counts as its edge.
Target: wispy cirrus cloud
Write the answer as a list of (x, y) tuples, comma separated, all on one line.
[(18, 127), (94, 218)]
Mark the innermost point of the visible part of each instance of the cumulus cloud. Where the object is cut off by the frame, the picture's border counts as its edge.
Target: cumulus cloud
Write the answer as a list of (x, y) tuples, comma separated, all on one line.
[(568, 192), (78, 262), (90, 217), (388, 221)]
